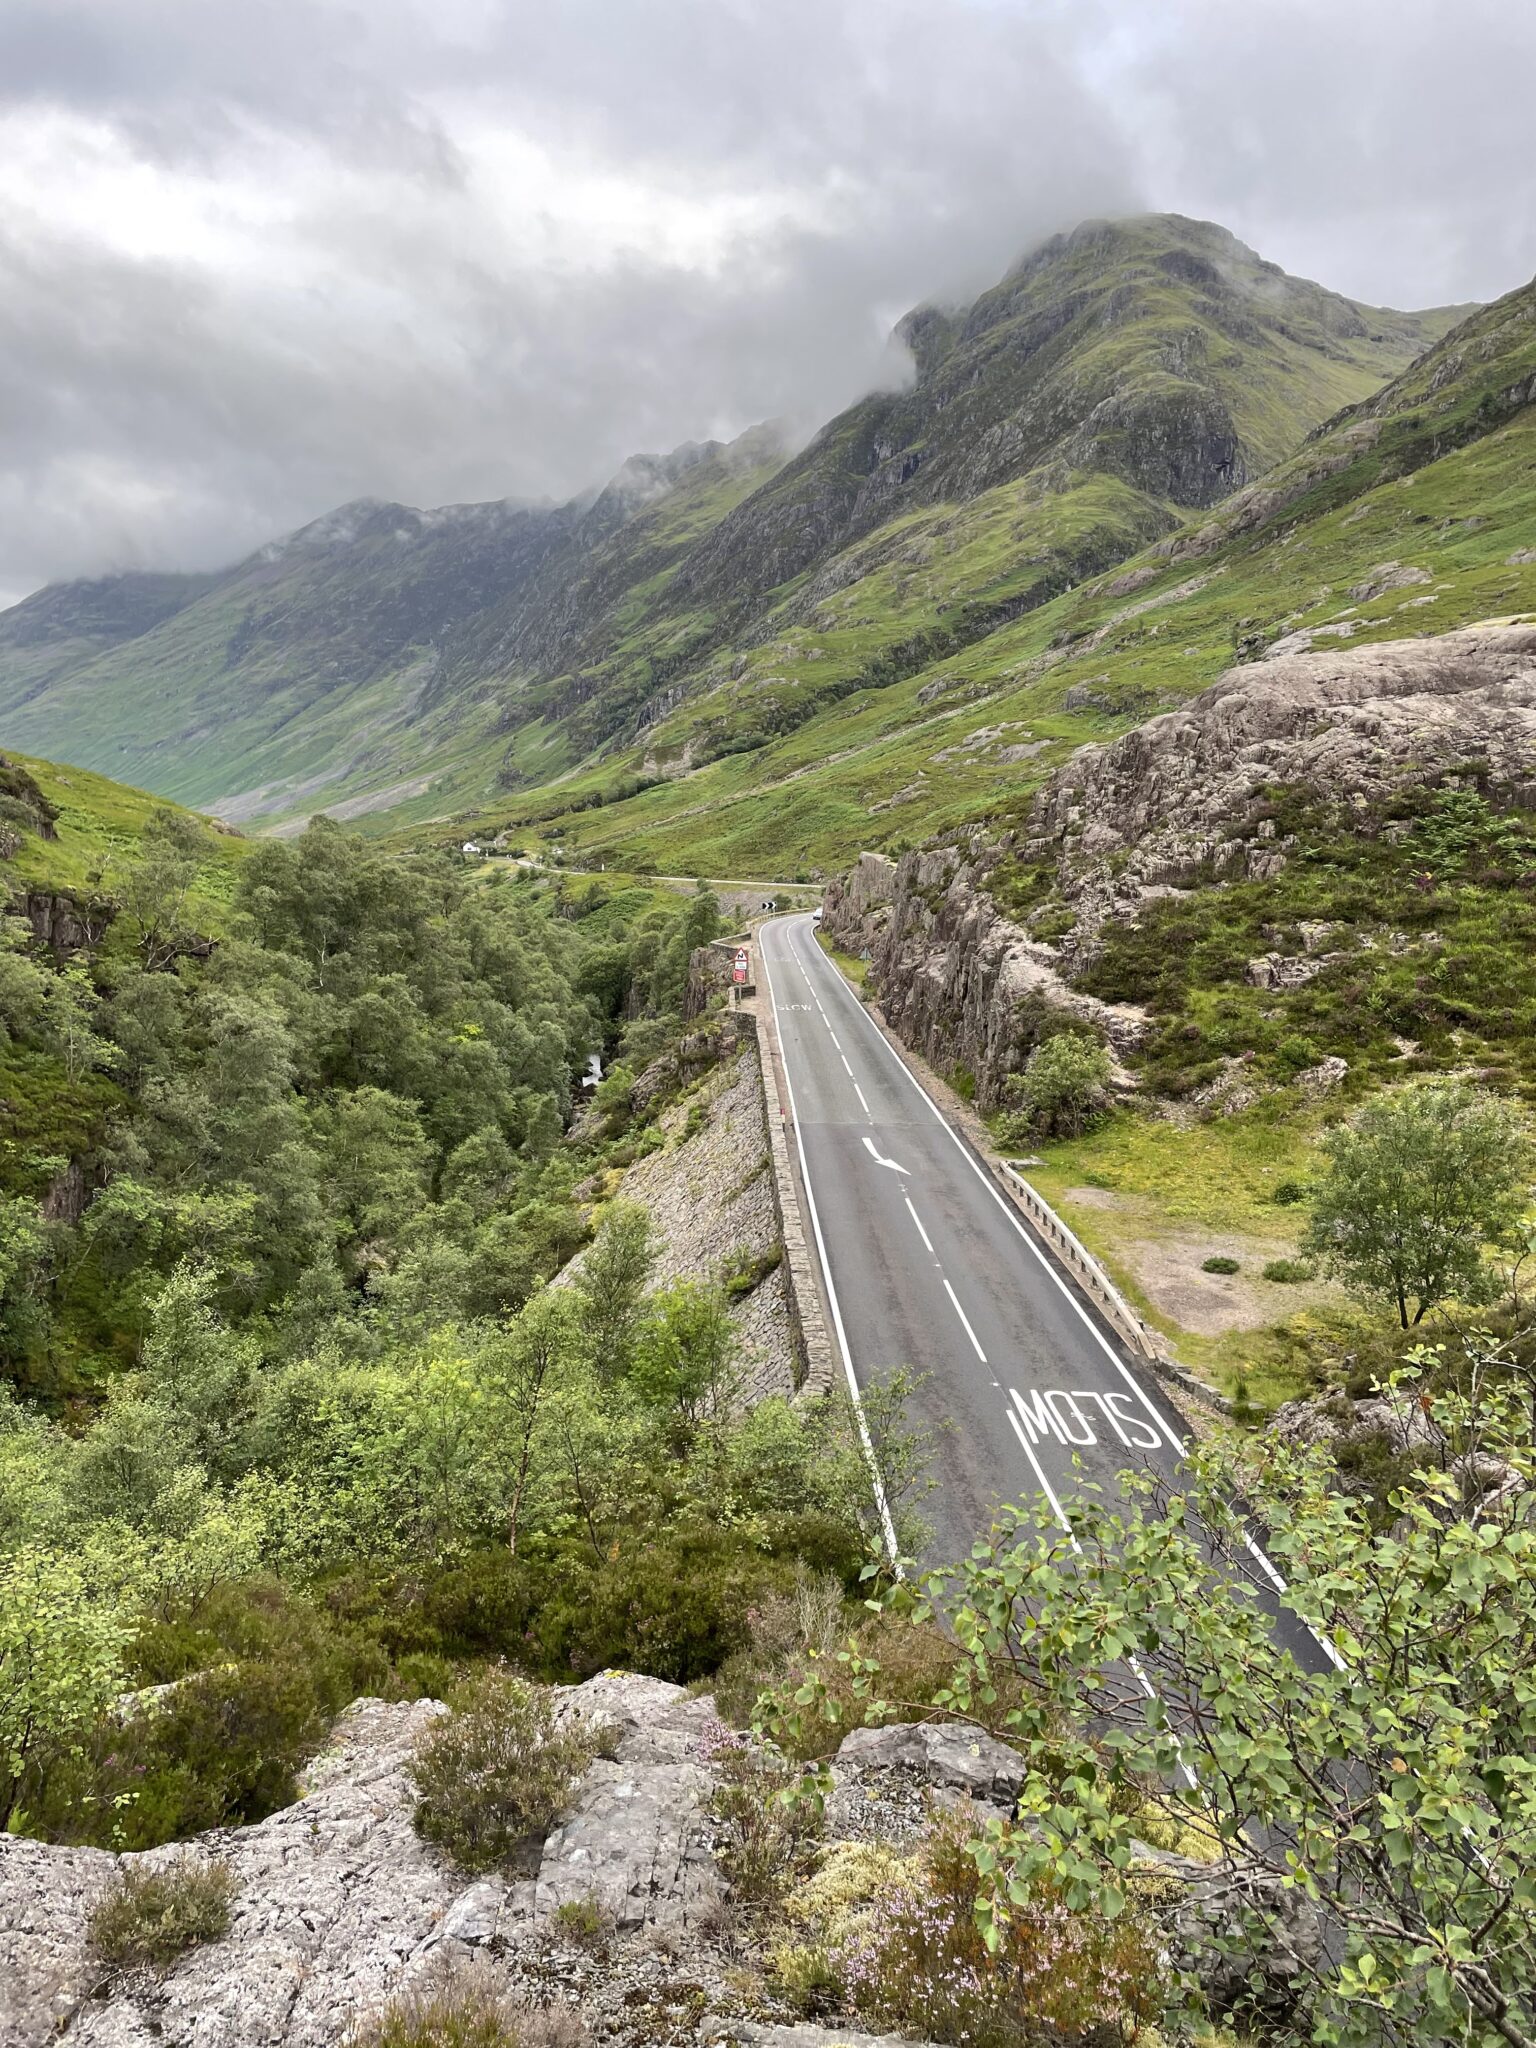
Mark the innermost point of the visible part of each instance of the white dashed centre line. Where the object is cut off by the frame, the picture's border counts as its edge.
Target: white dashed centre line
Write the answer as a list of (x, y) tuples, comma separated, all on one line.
[(919, 1222), (965, 1319)]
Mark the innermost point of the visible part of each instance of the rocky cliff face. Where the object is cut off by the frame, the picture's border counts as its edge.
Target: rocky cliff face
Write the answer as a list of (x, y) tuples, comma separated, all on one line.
[(1185, 799), (339, 1906), (957, 979), (1190, 795), (1111, 348)]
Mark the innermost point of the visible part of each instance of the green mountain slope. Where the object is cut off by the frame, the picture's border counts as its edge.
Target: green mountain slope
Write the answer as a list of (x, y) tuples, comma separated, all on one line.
[(1119, 376), (409, 663), (1411, 513), (314, 671)]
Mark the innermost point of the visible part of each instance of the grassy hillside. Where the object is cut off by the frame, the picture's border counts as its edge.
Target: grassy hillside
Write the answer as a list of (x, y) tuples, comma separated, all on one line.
[(97, 833), (85, 863)]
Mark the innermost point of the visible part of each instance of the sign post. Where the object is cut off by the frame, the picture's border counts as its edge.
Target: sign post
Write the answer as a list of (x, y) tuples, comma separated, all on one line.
[(739, 968)]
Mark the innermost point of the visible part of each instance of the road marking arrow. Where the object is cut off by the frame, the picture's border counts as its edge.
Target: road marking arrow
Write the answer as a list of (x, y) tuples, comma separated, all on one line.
[(869, 1147)]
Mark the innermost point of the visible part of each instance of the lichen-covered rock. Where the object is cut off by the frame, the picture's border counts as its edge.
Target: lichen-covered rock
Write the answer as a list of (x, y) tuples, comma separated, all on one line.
[(339, 1906), (727, 2033), (339, 1903), (333, 1896), (636, 1843), (1247, 1938), (1189, 791), (940, 1753), (887, 1782)]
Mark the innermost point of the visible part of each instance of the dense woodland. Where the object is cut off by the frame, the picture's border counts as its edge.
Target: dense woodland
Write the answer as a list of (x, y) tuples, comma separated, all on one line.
[(290, 1412)]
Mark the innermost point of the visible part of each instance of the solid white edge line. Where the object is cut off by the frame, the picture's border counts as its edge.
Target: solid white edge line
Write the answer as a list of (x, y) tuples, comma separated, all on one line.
[(1097, 1334), (881, 1503), (1045, 1263)]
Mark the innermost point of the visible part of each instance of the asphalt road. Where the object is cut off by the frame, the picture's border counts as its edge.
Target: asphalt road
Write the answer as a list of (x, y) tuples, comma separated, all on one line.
[(930, 1266), (927, 1264)]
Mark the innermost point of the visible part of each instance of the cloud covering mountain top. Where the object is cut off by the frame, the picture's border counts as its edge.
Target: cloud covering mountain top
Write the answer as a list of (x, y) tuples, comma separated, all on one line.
[(257, 261)]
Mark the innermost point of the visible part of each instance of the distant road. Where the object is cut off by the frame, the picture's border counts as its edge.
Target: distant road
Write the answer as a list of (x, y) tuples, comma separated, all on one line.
[(929, 1265), (751, 885)]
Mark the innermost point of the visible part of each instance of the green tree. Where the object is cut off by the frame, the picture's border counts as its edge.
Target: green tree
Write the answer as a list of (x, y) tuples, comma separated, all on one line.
[(1133, 1664), (23, 1278), (1065, 1082), (519, 1371), (1418, 1184), (157, 885), (685, 1357), (70, 1021), (611, 1286), (197, 1374), (23, 983), (376, 1162), (61, 1662)]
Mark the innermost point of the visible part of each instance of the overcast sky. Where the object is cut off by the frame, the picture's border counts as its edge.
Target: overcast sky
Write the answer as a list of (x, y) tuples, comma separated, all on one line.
[(258, 257)]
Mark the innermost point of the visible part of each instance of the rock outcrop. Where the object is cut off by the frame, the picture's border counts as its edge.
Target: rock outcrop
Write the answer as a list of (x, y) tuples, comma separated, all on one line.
[(957, 979), (65, 923), (1185, 799), (339, 1903), (339, 1906), (1188, 794), (1372, 1441)]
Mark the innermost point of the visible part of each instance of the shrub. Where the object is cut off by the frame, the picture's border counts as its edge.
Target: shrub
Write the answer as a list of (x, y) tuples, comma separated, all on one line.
[(497, 1772), (1288, 1192), (918, 1960), (744, 1271), (255, 1680), (914, 1664), (466, 2007), (581, 1922), (673, 1605), (1220, 1264), (1294, 1054), (1287, 1272), (146, 1918), (764, 1829), (1064, 1086)]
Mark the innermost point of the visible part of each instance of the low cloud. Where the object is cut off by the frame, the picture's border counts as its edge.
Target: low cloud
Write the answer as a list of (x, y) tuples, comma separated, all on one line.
[(257, 261)]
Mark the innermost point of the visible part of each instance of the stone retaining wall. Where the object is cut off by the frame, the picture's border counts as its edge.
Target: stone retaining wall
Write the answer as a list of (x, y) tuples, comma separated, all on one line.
[(815, 1361)]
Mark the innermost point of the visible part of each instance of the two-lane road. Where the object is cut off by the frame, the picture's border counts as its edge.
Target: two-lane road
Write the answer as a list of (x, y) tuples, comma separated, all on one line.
[(929, 1265)]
